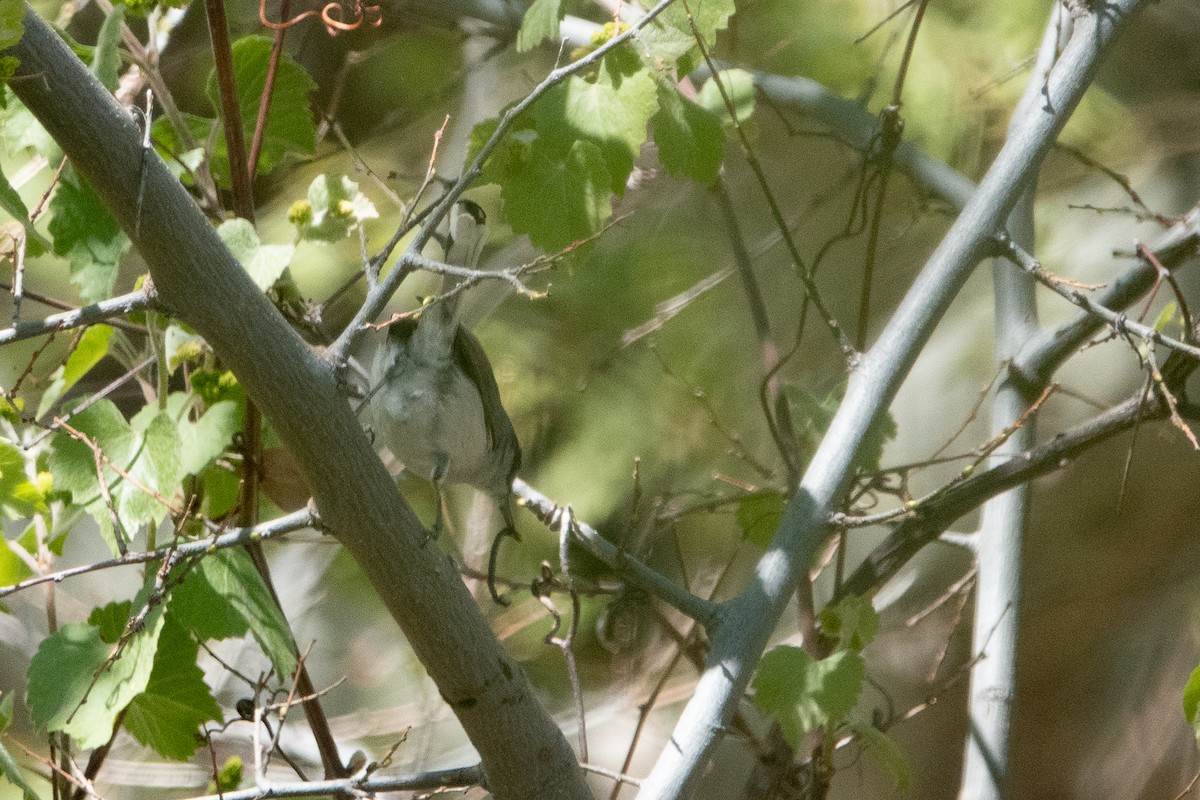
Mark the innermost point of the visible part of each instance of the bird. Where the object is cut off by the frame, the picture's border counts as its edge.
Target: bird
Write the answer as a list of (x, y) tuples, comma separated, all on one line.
[(434, 400)]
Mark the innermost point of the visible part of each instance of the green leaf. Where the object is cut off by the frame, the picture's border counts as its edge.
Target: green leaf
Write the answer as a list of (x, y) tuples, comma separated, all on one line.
[(739, 85), (853, 622), (689, 138), (12, 26), (878, 435), (197, 606), (19, 498), (577, 187), (110, 620), (540, 23), (710, 16), (565, 157), (11, 202), (106, 61), (759, 515), (264, 262), (611, 110), (290, 129), (333, 209), (156, 468), (70, 666), (176, 701), (92, 348), (229, 778), (20, 130), (887, 751), (803, 695), (207, 438), (182, 346), (88, 236), (72, 462), (13, 568), (1170, 313), (1191, 700), (235, 587)]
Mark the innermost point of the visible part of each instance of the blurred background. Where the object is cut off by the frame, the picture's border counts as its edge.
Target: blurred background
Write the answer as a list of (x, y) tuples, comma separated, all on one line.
[(595, 391)]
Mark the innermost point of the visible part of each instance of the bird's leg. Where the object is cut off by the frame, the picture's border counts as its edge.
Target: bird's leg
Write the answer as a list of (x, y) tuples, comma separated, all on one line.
[(437, 478), (509, 529)]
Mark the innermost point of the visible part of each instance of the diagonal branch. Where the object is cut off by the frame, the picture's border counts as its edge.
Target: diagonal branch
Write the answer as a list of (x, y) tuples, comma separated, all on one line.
[(523, 752)]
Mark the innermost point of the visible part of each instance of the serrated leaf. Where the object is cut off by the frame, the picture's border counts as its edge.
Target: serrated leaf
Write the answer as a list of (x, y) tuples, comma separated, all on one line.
[(64, 670), (72, 462), (196, 606), (887, 751), (84, 232), (109, 621), (333, 209), (540, 23), (106, 60), (802, 694), (577, 187), (738, 85), (853, 622), (19, 498), (176, 702), (290, 129), (156, 469), (12, 26), (759, 515), (572, 151), (264, 262), (689, 138), (710, 17), (92, 348), (231, 576), (611, 110), (20, 130)]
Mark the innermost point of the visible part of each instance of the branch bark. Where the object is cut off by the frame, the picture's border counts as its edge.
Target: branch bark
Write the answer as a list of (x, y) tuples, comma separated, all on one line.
[(523, 753)]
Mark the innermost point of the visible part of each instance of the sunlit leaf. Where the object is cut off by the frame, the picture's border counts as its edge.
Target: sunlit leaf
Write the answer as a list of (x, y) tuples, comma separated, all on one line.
[(71, 665), (803, 694), (539, 23), (264, 262), (92, 348)]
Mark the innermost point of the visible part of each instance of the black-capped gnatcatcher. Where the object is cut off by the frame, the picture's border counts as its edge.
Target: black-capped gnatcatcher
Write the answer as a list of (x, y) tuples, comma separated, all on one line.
[(434, 399)]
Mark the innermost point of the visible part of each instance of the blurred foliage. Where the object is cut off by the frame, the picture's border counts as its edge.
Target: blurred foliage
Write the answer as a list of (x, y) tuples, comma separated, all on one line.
[(592, 388)]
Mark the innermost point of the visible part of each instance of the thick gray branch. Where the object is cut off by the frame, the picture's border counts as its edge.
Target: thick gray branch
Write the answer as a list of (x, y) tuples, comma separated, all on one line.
[(523, 752)]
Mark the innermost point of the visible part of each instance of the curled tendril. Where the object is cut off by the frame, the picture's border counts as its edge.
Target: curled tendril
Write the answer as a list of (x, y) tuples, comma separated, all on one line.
[(333, 15)]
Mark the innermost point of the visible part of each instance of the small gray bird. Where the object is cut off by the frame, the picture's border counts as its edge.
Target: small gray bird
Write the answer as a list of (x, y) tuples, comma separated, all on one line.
[(434, 399)]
